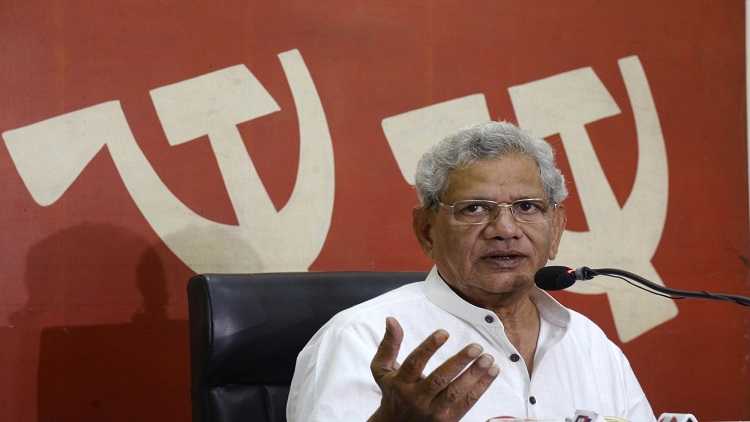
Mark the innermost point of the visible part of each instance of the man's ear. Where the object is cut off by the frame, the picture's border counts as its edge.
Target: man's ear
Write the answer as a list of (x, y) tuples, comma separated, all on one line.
[(559, 219), (422, 225)]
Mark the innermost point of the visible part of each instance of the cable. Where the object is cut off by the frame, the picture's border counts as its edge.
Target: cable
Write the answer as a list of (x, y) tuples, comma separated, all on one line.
[(666, 291), (643, 288)]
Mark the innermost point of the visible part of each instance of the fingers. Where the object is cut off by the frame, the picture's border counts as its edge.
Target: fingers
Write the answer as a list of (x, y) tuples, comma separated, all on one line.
[(450, 390), (445, 373), (412, 367), (384, 360), (461, 394)]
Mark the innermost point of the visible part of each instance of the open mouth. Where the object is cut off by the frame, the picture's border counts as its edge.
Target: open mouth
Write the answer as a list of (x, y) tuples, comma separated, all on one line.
[(504, 259)]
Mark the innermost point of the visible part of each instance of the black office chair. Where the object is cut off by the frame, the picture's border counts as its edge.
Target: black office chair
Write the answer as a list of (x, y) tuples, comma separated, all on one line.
[(247, 329)]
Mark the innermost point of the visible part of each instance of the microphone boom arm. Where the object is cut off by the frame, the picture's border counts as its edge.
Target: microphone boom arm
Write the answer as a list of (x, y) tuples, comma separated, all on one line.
[(589, 273)]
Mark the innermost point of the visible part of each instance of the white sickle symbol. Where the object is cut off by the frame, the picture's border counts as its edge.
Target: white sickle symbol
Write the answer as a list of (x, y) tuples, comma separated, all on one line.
[(51, 154)]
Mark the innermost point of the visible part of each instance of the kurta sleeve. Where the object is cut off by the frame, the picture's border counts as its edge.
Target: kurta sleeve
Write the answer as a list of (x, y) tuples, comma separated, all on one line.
[(332, 380)]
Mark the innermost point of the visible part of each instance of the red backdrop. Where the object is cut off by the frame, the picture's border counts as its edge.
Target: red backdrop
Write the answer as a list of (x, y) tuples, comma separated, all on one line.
[(96, 257)]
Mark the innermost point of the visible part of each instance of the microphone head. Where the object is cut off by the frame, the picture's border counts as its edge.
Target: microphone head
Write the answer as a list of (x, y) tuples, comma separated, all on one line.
[(555, 277)]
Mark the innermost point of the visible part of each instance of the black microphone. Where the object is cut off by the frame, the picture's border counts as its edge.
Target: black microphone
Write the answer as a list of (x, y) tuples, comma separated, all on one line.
[(556, 277)]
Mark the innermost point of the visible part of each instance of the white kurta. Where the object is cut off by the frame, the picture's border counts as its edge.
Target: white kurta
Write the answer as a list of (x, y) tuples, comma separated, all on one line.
[(576, 366)]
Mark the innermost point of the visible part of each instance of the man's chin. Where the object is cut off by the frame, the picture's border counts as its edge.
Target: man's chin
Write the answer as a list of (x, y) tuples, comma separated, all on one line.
[(508, 282)]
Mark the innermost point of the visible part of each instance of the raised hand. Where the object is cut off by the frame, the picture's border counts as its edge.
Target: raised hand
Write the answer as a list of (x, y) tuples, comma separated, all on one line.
[(443, 395)]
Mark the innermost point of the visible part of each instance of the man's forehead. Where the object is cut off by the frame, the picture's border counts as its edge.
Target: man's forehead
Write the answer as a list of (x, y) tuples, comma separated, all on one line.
[(508, 160), (512, 174)]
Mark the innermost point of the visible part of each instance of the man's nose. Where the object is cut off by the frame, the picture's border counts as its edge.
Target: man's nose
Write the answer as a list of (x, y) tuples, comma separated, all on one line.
[(504, 225)]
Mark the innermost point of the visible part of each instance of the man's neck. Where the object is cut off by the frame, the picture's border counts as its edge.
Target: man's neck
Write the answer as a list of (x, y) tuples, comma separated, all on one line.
[(522, 326), (518, 313), (520, 318)]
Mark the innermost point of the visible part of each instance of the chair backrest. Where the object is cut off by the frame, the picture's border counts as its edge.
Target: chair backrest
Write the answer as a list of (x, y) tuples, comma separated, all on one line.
[(247, 329)]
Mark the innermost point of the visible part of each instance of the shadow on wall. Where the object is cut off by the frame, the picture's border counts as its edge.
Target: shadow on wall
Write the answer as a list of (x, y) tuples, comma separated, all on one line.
[(134, 371)]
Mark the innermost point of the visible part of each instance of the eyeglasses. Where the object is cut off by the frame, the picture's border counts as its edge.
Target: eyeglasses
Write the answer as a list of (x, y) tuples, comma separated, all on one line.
[(476, 211)]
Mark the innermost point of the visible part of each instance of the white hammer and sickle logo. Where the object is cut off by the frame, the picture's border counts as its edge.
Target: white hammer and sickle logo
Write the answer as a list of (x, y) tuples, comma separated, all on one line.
[(563, 104), (51, 154)]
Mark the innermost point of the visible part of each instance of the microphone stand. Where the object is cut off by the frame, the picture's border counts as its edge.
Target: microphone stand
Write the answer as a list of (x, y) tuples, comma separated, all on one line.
[(586, 273)]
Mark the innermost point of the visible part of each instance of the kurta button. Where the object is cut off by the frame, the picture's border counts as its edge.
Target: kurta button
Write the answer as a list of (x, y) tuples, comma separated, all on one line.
[(515, 358), (532, 400), (489, 319)]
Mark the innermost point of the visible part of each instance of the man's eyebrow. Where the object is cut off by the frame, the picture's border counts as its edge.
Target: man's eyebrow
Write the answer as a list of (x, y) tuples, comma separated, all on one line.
[(529, 197), (488, 198), (474, 198)]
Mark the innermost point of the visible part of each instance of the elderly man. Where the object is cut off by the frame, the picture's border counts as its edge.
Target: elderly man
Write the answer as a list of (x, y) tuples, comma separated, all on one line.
[(477, 338)]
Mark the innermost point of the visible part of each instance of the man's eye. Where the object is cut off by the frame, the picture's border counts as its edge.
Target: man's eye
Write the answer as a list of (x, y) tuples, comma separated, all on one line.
[(474, 209), (528, 207)]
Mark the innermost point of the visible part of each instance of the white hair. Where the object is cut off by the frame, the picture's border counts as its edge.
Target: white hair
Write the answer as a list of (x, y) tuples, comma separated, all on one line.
[(484, 141)]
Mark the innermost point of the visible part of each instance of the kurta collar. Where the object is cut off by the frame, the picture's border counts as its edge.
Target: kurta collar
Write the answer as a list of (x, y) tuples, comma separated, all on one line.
[(441, 294)]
